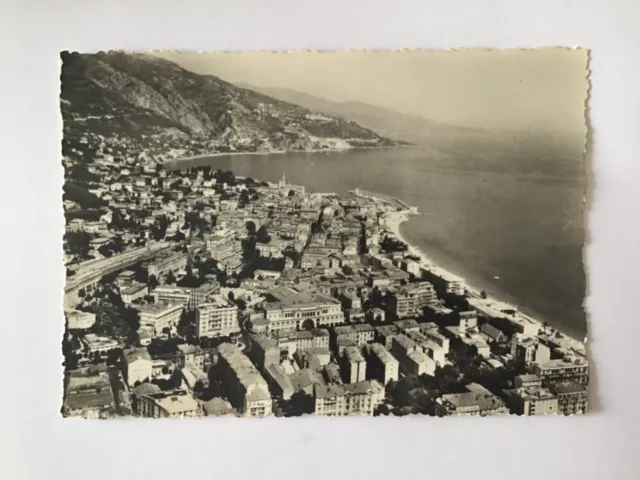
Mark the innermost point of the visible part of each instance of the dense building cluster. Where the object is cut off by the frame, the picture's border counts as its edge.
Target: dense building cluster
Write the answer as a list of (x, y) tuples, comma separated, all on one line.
[(197, 292)]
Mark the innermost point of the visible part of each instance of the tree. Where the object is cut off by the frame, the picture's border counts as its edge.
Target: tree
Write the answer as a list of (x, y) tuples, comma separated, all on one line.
[(376, 297), (152, 281), (248, 249), (189, 280), (80, 172), (105, 251), (97, 358), (159, 228), (291, 193), (131, 317), (222, 278), (225, 177), (78, 243), (262, 235), (170, 278), (79, 193), (381, 409), (113, 356), (242, 305), (177, 237), (176, 378), (390, 245), (231, 296), (244, 198), (483, 294), (299, 404), (186, 324), (251, 228)]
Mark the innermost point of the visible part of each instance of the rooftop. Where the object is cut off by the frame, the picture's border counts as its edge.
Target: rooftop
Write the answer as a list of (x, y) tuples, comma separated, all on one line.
[(528, 378), (405, 324), (304, 378), (337, 390), (146, 389), (93, 340), (566, 388), (134, 354), (157, 308), (533, 393), (101, 399), (472, 400), (133, 289), (419, 358), (279, 375), (290, 297), (245, 371), (177, 404), (357, 328), (264, 342), (187, 349), (382, 353), (353, 354), (405, 341), (387, 329), (216, 301), (561, 363)]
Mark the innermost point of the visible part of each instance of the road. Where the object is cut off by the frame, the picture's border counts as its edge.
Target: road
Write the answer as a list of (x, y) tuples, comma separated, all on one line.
[(87, 272)]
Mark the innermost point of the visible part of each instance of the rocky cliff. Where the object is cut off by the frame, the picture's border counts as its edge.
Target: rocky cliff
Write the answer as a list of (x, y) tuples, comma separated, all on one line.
[(138, 96)]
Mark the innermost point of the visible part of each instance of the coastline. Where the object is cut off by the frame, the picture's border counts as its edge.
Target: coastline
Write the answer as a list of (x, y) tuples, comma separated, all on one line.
[(279, 152), (393, 222)]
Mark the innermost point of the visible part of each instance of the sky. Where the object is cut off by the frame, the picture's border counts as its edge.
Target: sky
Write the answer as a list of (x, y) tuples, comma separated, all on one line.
[(543, 89)]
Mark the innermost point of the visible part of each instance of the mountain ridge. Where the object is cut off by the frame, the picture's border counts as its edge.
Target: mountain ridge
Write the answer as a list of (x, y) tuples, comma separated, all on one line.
[(431, 135), (140, 95)]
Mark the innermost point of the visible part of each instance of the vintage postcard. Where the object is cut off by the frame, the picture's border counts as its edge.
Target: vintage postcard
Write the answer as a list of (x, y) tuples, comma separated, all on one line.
[(278, 234)]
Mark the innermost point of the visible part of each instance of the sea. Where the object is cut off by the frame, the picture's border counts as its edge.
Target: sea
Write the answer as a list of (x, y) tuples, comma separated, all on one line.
[(513, 227)]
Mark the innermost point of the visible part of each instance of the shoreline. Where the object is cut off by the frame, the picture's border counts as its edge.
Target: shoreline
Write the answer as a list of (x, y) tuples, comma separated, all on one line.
[(394, 220), (279, 152)]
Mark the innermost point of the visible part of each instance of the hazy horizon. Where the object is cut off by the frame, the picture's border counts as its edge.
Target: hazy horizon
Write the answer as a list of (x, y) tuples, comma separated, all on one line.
[(538, 89)]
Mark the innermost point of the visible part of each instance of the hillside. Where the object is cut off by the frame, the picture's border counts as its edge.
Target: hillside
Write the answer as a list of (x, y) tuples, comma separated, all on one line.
[(440, 138), (142, 97)]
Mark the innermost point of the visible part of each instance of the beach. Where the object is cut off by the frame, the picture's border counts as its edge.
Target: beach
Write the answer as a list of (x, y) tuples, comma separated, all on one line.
[(393, 222), (464, 215)]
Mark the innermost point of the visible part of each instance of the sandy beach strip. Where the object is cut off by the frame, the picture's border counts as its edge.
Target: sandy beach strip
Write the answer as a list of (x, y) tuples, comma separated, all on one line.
[(393, 222)]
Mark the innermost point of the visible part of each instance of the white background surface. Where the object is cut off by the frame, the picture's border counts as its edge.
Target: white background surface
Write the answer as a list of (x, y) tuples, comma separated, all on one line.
[(37, 443)]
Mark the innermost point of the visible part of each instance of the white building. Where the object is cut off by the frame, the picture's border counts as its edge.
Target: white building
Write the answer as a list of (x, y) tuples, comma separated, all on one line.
[(168, 404), (217, 318), (132, 293), (78, 320), (247, 389), (355, 398), (302, 309), (382, 365), (138, 364), (98, 344), (159, 316)]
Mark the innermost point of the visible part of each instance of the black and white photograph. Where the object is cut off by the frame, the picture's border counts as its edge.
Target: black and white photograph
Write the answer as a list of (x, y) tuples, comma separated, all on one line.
[(377, 233)]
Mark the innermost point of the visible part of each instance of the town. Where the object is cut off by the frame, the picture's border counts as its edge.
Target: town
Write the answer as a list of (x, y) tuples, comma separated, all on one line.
[(195, 292)]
